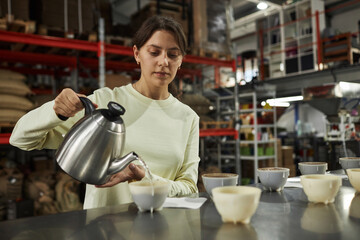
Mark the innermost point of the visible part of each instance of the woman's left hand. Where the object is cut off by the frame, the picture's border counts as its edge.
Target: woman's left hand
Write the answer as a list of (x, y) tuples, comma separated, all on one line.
[(131, 172)]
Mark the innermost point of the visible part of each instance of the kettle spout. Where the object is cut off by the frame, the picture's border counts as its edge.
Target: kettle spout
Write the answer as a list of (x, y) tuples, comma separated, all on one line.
[(118, 164)]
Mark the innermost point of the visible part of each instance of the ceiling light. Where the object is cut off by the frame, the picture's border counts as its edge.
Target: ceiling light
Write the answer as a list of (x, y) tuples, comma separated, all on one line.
[(282, 102), (262, 5)]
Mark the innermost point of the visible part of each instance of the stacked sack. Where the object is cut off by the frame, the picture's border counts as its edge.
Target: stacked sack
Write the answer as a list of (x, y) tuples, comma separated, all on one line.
[(13, 97), (52, 192)]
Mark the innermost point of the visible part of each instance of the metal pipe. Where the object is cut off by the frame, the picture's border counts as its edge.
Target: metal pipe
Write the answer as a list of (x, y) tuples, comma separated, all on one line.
[(80, 16), (318, 40), (66, 24), (9, 10), (101, 53)]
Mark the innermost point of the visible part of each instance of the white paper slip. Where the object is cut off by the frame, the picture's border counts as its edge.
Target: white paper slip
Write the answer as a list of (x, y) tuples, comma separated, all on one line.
[(192, 203), (343, 176), (293, 182)]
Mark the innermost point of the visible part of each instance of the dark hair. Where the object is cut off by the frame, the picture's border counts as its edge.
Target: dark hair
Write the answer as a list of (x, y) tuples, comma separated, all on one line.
[(156, 23)]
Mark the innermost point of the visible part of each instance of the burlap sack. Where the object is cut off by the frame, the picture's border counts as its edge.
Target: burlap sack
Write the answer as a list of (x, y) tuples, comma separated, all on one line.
[(19, 88), (11, 75), (11, 183), (46, 176), (43, 196), (67, 194), (15, 102), (10, 116)]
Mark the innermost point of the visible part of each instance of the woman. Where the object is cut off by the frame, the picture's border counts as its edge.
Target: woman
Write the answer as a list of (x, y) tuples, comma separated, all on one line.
[(162, 130)]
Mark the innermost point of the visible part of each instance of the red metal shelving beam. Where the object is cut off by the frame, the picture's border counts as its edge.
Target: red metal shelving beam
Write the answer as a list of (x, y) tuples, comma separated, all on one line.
[(82, 45), (4, 138), (48, 41), (219, 132), (38, 58), (68, 61)]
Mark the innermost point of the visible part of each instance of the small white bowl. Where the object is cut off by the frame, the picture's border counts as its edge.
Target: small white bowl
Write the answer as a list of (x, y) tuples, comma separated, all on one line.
[(354, 177), (147, 196), (236, 203), (313, 167), (321, 188), (273, 178), (349, 162), (213, 180)]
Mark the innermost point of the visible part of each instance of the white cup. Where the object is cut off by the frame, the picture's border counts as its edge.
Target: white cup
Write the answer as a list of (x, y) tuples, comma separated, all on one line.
[(313, 167), (354, 177), (213, 180), (149, 196), (273, 178), (236, 203), (320, 187), (349, 162)]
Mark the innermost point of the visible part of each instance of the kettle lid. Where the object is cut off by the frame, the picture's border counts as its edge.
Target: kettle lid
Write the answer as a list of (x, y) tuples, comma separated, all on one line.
[(112, 117)]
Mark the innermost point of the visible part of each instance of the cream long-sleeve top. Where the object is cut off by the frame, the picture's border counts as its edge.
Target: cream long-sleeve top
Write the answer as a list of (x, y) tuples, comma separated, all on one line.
[(165, 133)]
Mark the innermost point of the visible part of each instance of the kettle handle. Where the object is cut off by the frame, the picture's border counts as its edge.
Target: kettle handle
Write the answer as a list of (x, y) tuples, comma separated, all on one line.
[(89, 107)]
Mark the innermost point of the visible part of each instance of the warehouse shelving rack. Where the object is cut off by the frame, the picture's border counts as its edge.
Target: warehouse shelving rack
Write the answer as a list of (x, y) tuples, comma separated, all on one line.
[(233, 105), (70, 59)]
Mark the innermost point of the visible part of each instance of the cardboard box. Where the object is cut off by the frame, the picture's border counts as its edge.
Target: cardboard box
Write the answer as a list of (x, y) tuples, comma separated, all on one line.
[(116, 80), (279, 153), (165, 9), (293, 169), (287, 155)]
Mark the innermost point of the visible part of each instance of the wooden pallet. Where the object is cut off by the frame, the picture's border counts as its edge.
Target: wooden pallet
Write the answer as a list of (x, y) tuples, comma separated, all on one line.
[(202, 52), (17, 25), (123, 41), (215, 124)]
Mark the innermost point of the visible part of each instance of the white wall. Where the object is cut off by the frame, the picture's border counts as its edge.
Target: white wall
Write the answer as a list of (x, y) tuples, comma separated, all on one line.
[(347, 21), (246, 43)]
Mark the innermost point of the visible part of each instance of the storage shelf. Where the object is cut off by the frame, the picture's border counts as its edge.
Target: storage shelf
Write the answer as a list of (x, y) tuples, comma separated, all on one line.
[(34, 58), (298, 33), (257, 126), (250, 141), (259, 141), (302, 37), (252, 158), (257, 110), (219, 132)]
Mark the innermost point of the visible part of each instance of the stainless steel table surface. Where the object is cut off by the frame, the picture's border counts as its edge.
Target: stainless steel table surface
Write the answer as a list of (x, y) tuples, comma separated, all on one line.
[(280, 215)]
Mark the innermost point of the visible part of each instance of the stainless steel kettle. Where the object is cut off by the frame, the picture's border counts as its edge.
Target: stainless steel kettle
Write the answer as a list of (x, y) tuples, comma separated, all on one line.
[(91, 151)]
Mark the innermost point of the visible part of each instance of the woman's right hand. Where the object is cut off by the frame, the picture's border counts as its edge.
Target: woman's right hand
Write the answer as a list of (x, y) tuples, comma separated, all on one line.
[(67, 103)]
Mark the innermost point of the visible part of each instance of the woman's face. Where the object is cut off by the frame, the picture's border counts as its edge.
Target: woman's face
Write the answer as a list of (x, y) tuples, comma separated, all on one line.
[(160, 58)]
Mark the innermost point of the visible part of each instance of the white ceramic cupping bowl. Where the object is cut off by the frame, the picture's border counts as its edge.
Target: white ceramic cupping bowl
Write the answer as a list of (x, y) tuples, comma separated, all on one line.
[(273, 178), (320, 188), (148, 197), (236, 204), (313, 167), (213, 180), (349, 162), (354, 177)]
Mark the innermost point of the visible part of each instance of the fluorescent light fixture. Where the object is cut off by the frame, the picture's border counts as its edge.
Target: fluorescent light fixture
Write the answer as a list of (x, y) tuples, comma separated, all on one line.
[(262, 5), (282, 102)]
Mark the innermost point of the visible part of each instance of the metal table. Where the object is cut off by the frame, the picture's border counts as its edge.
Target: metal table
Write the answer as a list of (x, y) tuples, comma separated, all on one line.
[(284, 215)]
